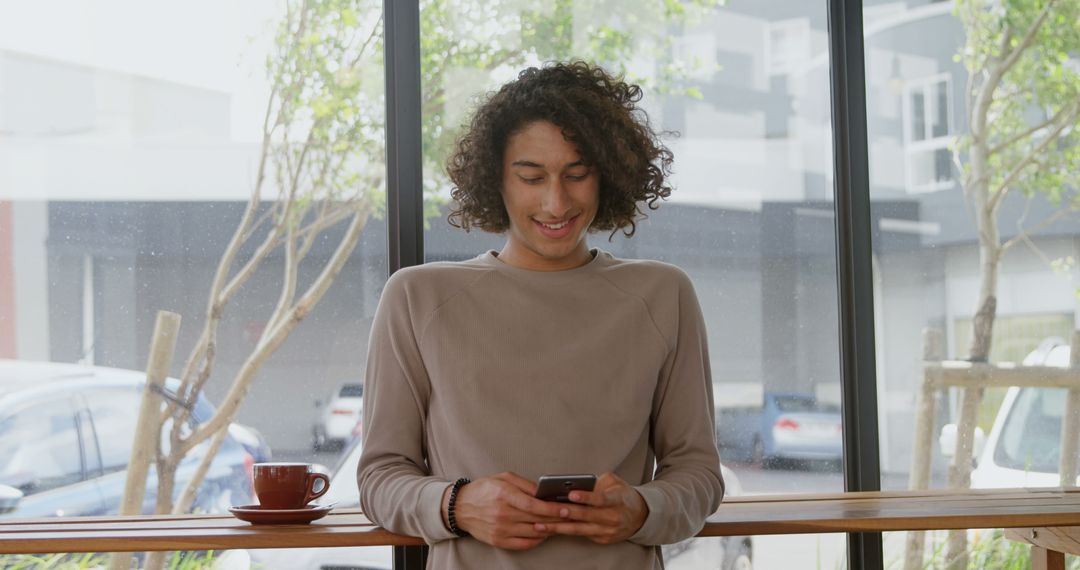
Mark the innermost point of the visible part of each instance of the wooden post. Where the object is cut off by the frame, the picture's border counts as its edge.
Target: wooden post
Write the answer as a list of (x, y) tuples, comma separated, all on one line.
[(143, 449), (1043, 559), (1048, 545), (922, 450), (923, 444), (1070, 422), (956, 555)]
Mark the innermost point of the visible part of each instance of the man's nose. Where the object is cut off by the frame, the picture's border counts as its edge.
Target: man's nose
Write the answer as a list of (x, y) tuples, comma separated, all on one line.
[(556, 199)]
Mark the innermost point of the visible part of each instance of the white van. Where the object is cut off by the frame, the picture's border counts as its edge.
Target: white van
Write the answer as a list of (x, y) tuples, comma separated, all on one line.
[(1024, 445)]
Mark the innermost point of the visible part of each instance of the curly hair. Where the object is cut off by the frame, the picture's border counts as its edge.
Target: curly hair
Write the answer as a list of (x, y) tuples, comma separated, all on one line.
[(597, 112)]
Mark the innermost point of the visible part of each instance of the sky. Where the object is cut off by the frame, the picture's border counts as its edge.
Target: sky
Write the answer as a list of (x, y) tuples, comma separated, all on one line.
[(221, 45), (214, 44)]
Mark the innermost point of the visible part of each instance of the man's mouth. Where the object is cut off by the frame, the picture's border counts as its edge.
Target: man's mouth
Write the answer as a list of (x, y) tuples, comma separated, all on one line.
[(556, 229), (555, 226)]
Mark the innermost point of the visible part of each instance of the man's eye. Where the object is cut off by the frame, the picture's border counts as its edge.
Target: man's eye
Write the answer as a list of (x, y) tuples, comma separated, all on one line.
[(536, 180), (577, 177)]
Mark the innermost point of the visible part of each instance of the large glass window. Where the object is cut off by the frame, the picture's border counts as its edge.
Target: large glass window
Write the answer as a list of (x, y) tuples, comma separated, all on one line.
[(133, 142), (151, 155), (967, 235), (132, 156), (746, 87)]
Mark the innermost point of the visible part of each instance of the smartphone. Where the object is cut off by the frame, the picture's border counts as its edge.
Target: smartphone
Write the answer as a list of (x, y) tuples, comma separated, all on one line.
[(557, 487)]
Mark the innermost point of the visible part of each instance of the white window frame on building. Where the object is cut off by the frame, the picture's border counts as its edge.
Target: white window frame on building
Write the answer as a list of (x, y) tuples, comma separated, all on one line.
[(787, 45), (918, 149)]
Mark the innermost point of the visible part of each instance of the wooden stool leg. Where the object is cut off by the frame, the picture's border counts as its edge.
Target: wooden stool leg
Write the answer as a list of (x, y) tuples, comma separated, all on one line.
[(1044, 559)]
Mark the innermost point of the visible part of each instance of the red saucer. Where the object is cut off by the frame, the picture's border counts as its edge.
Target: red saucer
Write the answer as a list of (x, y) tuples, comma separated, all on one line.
[(256, 514)]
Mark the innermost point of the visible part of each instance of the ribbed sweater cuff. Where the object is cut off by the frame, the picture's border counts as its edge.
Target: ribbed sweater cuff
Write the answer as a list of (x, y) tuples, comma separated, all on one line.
[(431, 520)]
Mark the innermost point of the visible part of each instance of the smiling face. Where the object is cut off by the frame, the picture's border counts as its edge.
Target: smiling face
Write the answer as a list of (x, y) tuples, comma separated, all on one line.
[(551, 198)]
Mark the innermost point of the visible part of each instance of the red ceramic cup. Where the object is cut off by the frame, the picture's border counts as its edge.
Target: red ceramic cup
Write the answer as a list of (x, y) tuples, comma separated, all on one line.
[(287, 485)]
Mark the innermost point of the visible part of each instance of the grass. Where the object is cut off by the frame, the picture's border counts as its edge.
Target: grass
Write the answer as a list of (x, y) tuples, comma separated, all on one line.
[(186, 560), (990, 550)]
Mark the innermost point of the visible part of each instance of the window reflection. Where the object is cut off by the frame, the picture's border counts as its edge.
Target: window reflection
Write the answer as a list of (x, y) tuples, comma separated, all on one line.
[(746, 86), (942, 142)]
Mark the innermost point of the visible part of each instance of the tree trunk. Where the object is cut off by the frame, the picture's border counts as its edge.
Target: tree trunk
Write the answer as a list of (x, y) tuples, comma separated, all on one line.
[(982, 326), (187, 495), (982, 334), (922, 452), (166, 474)]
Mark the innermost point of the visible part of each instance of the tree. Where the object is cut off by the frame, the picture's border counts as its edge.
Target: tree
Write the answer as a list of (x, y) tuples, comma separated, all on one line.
[(323, 150), (1023, 109), (463, 42)]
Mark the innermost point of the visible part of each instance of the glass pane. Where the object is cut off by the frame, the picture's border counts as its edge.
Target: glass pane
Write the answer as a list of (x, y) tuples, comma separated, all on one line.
[(918, 115), (939, 112), (40, 447), (746, 84), (965, 270), (114, 425), (134, 160), (942, 166)]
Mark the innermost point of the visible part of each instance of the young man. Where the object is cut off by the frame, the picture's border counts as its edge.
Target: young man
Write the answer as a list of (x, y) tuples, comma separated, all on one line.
[(545, 357)]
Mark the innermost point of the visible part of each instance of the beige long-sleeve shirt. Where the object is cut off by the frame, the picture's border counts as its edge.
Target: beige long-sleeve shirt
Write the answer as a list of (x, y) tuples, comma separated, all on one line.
[(479, 367)]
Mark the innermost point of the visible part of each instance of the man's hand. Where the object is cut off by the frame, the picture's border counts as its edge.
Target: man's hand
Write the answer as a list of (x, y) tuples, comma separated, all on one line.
[(611, 513), (502, 511)]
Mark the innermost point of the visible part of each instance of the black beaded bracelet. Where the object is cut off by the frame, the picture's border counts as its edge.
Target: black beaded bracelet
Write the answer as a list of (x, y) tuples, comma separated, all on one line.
[(452, 503)]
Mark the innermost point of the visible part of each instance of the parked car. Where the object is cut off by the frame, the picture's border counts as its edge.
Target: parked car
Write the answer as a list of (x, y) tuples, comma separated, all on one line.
[(340, 415), (1024, 445), (733, 552), (785, 426), (253, 442), (66, 433)]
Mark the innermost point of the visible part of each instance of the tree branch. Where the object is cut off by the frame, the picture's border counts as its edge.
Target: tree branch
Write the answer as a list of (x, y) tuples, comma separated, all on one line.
[(996, 72), (264, 349), (258, 223), (430, 105), (327, 216), (204, 351), (325, 221), (1004, 48), (187, 496), (1023, 234), (1029, 35), (214, 309), (376, 31), (288, 279), (272, 240), (1033, 155), (1013, 139)]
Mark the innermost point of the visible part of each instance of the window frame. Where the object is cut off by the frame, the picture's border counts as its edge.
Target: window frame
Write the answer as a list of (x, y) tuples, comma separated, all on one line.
[(913, 149), (401, 20), (798, 33)]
